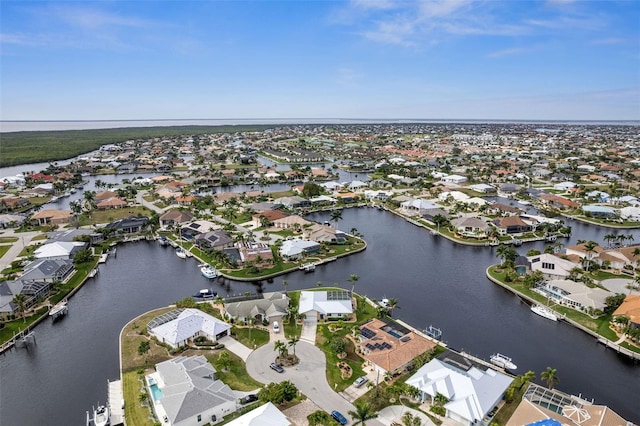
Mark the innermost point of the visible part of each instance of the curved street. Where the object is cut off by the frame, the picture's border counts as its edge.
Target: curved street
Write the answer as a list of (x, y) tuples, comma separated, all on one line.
[(309, 376)]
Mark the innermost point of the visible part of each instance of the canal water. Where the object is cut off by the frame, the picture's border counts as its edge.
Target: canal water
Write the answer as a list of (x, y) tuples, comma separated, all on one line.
[(436, 282)]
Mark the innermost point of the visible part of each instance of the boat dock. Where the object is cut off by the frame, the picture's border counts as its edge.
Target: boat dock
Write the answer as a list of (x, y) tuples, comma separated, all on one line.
[(20, 340), (103, 258), (116, 402)]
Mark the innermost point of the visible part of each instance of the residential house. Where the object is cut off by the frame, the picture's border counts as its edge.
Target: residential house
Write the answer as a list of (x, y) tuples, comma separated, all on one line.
[(457, 179), (483, 188), (417, 206), (175, 217), (104, 195), (265, 415), (188, 393), (600, 212), (574, 295), (389, 347), (471, 391), (48, 270), (51, 217), (33, 290), (296, 249), (293, 202), (251, 251), (324, 234), (198, 227), (59, 250), (471, 227), (111, 203), (326, 304), (630, 308), (552, 266), (557, 201), (291, 222), (130, 225), (430, 214), (267, 217), (177, 327), (68, 235), (580, 250), (512, 225), (272, 307), (541, 406), (11, 220), (217, 240)]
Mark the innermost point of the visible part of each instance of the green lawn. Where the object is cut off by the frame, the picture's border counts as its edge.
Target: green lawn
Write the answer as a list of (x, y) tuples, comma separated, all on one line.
[(13, 327), (4, 250), (8, 239), (134, 411), (334, 377), (250, 336), (106, 216), (237, 377)]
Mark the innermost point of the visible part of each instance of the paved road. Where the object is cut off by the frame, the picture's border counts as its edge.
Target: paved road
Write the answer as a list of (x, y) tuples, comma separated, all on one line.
[(308, 376), (24, 238)]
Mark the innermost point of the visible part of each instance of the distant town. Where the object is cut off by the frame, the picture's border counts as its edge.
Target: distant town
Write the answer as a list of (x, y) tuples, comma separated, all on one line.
[(239, 202)]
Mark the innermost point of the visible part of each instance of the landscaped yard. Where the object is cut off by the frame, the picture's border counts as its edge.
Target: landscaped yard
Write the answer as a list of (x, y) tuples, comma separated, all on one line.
[(251, 337), (106, 216)]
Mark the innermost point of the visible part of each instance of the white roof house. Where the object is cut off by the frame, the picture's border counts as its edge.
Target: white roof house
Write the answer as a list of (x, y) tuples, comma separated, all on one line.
[(326, 304), (471, 393), (188, 392), (265, 415), (575, 295), (454, 179), (294, 249), (552, 266), (58, 250), (563, 186), (182, 325)]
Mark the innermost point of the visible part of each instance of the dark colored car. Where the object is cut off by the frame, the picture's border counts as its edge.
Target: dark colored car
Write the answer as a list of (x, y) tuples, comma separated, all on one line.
[(277, 367), (248, 399), (339, 417)]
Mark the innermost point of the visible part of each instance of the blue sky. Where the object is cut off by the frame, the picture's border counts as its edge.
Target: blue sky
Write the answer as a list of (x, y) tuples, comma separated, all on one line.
[(375, 59)]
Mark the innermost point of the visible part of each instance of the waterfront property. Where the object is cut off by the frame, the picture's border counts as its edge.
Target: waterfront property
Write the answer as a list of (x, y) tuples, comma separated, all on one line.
[(575, 295), (471, 392), (552, 266), (177, 327), (185, 392), (267, 414), (389, 347), (630, 308), (271, 307), (326, 304), (556, 408)]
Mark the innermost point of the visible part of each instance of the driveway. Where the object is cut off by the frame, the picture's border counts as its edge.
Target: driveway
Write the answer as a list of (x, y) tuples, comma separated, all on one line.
[(308, 376), (309, 326), (24, 239), (236, 347)]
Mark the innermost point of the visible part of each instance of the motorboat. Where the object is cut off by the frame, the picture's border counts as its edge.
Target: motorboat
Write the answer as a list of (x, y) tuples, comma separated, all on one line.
[(59, 310), (163, 241), (181, 253), (101, 415), (205, 293), (308, 267), (544, 312), (208, 271), (503, 361)]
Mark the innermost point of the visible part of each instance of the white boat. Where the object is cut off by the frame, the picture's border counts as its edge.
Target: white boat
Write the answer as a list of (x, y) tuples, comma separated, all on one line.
[(309, 267), (502, 361), (181, 253), (544, 312), (59, 310), (208, 271), (101, 415)]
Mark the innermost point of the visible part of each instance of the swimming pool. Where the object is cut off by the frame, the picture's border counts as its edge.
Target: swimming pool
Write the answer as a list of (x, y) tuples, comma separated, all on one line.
[(156, 393)]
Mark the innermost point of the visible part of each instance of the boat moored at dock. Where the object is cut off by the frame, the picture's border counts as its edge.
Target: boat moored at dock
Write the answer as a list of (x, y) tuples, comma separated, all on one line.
[(308, 267), (59, 310), (502, 361), (181, 253), (205, 293), (208, 271), (544, 312)]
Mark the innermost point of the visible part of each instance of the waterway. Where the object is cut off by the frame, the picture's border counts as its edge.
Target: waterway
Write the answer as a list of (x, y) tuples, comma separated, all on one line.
[(436, 282)]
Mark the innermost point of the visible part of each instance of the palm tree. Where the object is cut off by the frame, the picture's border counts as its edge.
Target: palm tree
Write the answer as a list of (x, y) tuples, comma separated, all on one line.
[(392, 303), (608, 238), (550, 376), (293, 315), (408, 419), (224, 361), (589, 248), (362, 413), (20, 300), (336, 216), (280, 347), (353, 278), (529, 376), (292, 342)]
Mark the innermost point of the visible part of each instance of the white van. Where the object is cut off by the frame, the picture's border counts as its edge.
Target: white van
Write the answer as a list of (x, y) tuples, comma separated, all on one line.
[(276, 327)]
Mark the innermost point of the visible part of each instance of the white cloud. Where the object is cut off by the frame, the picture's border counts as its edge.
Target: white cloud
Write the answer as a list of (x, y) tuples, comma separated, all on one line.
[(506, 52)]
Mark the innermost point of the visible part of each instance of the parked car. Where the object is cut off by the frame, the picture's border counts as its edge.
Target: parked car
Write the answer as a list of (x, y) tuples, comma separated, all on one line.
[(276, 327), (339, 417), (277, 367), (360, 381), (248, 399)]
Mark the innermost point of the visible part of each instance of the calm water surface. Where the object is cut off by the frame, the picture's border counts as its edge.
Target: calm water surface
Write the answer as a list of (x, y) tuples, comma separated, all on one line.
[(436, 282)]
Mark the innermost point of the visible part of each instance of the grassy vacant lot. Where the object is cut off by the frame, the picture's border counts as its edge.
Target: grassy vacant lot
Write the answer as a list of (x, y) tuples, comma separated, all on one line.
[(106, 216), (236, 377), (250, 336), (35, 147), (4, 249)]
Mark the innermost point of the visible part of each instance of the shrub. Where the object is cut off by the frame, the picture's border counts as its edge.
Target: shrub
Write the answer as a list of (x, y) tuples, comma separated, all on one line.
[(439, 410)]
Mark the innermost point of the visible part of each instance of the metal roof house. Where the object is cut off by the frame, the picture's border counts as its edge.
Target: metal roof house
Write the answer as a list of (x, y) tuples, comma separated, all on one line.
[(185, 392), (178, 326)]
